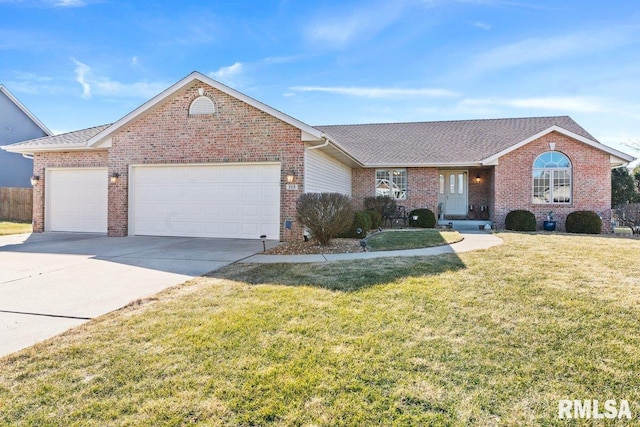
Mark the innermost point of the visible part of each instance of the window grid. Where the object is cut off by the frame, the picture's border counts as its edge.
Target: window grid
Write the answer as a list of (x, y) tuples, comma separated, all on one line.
[(552, 179), (392, 183)]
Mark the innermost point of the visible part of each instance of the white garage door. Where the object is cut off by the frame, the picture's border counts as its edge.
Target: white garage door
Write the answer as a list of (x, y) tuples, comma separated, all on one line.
[(76, 200), (231, 201)]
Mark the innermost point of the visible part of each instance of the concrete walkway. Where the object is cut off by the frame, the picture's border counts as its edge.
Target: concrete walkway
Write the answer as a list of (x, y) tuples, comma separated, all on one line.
[(472, 241)]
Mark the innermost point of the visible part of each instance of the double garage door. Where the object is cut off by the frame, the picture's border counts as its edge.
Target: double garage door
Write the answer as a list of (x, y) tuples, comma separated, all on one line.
[(229, 201)]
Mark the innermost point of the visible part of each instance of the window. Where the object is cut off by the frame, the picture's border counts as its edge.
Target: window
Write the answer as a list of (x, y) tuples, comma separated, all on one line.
[(552, 178), (392, 183)]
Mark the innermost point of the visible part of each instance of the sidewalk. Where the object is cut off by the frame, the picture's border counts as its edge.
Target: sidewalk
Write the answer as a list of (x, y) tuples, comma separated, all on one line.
[(471, 241)]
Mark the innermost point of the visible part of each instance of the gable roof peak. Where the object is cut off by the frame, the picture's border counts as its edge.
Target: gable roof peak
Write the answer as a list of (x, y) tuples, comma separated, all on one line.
[(25, 110), (184, 82)]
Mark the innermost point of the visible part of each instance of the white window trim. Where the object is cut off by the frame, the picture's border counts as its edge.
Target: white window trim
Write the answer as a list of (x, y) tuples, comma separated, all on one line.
[(389, 179), (552, 177)]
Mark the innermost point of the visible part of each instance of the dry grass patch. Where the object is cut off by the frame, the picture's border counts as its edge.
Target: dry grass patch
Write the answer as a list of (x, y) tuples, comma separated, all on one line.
[(12, 227), (491, 337)]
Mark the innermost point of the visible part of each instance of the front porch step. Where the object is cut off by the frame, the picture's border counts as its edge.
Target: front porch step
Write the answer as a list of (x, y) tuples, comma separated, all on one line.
[(465, 224)]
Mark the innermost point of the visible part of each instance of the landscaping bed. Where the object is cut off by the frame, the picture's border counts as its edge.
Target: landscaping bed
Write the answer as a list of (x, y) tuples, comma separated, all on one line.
[(380, 241)]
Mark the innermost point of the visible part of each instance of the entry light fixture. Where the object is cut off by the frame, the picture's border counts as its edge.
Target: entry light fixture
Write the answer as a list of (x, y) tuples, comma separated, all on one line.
[(478, 179), (291, 177), (114, 177), (35, 179)]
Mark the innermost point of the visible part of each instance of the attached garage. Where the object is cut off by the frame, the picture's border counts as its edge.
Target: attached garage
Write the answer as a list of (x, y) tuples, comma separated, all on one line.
[(203, 200), (76, 200)]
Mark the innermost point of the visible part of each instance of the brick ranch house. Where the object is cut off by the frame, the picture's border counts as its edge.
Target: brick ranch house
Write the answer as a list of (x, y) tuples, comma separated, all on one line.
[(202, 159)]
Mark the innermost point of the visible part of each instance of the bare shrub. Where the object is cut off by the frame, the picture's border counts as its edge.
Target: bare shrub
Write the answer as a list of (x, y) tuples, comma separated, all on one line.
[(384, 205), (628, 214), (325, 214)]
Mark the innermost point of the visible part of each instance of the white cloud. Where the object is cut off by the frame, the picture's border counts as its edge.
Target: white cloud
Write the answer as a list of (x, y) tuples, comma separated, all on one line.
[(228, 75), (70, 3), (482, 25), (545, 49), (81, 77), (559, 104), (373, 92), (104, 86), (338, 28)]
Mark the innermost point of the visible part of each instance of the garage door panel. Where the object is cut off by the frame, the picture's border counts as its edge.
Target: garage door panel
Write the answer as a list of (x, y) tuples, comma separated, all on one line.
[(76, 200), (235, 201)]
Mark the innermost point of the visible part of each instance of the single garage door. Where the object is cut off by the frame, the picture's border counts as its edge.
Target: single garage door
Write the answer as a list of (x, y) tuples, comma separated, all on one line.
[(76, 200), (229, 201)]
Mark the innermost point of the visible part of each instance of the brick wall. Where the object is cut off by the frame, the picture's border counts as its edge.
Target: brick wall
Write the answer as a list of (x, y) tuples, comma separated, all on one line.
[(70, 159), (237, 132), (591, 181), (422, 184)]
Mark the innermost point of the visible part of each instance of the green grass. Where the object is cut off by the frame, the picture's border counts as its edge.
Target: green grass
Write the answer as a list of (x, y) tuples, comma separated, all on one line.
[(483, 338), (11, 227), (411, 239)]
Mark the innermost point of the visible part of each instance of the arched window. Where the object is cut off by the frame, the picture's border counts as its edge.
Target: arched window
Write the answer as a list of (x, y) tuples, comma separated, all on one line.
[(552, 178), (201, 105)]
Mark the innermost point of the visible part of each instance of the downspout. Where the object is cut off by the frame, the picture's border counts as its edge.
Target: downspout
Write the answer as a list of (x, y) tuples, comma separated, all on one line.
[(27, 156)]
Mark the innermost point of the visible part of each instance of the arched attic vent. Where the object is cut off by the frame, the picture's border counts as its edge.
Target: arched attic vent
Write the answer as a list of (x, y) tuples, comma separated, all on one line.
[(202, 105)]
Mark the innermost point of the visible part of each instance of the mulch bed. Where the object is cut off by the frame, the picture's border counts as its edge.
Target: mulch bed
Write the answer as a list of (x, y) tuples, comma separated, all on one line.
[(337, 246)]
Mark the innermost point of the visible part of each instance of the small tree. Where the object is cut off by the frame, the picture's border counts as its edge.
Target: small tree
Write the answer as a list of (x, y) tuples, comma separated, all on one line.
[(628, 214), (623, 187), (325, 214)]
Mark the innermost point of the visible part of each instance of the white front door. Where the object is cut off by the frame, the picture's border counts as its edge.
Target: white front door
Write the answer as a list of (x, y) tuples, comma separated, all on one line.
[(453, 194)]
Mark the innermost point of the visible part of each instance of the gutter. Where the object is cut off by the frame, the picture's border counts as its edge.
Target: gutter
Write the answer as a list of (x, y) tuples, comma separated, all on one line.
[(324, 144)]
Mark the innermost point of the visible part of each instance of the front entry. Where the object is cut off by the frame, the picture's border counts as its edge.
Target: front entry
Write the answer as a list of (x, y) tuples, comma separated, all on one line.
[(453, 192)]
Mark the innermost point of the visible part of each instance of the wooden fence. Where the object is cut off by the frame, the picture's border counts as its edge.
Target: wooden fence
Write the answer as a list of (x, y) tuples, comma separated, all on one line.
[(16, 203)]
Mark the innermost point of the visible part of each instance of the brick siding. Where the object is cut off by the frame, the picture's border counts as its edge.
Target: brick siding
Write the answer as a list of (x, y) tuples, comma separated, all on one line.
[(422, 186), (591, 181), (237, 132), (509, 185), (67, 159)]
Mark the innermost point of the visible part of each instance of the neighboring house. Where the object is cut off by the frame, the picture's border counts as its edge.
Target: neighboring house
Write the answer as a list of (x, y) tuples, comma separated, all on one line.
[(16, 124), (202, 159)]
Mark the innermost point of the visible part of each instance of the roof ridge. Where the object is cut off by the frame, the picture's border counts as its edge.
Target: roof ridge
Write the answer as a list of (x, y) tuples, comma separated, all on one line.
[(447, 121)]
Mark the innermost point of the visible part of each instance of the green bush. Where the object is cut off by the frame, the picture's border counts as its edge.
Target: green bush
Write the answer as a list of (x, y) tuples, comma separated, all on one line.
[(520, 220), (361, 221), (426, 218), (587, 222), (384, 205), (325, 214), (375, 217)]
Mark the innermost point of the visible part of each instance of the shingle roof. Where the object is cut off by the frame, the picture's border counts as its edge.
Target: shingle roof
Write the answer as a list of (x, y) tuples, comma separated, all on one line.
[(450, 142), (75, 139)]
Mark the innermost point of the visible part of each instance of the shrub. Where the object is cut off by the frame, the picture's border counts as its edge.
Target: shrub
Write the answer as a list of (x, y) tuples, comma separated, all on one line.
[(375, 217), (361, 221), (426, 218), (325, 214), (587, 222), (384, 205), (520, 220)]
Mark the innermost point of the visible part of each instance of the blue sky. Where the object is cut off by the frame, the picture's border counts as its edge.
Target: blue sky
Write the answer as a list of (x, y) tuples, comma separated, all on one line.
[(81, 63)]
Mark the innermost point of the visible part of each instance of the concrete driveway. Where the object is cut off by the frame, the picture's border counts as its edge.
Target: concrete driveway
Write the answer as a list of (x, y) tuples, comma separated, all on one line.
[(50, 282)]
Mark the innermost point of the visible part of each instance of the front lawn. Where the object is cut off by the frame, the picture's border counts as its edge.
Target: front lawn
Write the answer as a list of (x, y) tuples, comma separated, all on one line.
[(411, 239), (11, 227), (482, 338)]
